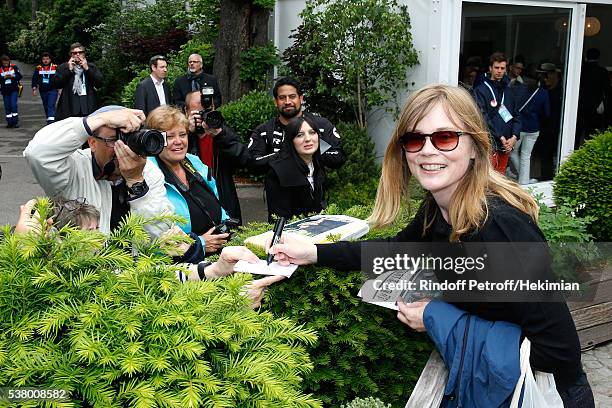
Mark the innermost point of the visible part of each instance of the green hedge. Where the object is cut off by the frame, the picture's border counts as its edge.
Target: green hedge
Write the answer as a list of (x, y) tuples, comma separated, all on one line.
[(362, 350), (249, 111), (356, 181), (584, 181), (114, 331)]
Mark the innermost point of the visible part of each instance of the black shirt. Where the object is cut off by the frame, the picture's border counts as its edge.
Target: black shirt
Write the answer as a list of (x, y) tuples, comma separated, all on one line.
[(549, 326)]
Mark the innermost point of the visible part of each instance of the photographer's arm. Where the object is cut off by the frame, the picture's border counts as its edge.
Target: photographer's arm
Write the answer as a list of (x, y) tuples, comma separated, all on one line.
[(49, 153), (226, 142), (62, 76)]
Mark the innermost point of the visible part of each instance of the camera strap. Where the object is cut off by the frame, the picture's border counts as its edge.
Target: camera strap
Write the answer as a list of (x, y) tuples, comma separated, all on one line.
[(169, 174)]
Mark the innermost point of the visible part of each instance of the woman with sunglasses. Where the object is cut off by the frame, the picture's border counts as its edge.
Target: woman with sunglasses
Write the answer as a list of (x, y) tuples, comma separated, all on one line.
[(441, 140), (294, 184)]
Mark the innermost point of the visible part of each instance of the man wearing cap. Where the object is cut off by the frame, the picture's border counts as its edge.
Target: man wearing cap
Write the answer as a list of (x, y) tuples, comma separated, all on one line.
[(550, 127), (153, 91), (591, 102), (109, 175), (499, 110)]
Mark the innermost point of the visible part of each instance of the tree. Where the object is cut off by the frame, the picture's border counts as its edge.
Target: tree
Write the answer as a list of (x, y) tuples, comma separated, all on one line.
[(363, 50), (243, 25)]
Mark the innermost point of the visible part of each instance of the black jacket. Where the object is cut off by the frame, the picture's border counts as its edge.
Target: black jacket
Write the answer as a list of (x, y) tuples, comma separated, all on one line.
[(288, 191), (267, 140), (187, 83), (228, 154), (554, 342), (146, 98), (69, 103)]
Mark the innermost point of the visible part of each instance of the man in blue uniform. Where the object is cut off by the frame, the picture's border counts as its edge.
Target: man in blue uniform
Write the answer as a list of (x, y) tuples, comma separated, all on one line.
[(41, 83), (9, 87)]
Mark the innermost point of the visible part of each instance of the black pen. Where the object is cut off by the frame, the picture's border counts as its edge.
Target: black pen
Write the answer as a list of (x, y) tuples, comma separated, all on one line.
[(278, 230)]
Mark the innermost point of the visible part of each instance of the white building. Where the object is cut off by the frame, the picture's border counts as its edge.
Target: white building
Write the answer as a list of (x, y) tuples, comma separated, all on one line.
[(446, 33)]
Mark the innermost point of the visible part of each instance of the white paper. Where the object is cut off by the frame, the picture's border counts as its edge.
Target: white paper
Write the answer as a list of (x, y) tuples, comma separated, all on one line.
[(262, 268)]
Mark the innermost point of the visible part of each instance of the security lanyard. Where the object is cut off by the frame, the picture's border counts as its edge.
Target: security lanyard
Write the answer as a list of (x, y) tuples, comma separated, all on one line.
[(494, 100)]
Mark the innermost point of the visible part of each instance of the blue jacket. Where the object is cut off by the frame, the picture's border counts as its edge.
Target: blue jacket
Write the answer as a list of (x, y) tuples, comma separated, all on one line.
[(537, 108), (179, 202), (482, 357), (495, 123)]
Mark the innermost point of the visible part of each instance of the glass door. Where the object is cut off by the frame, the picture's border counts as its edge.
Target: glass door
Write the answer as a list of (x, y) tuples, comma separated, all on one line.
[(536, 41)]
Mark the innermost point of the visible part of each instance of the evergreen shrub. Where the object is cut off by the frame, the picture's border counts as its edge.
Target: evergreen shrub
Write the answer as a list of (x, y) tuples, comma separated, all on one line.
[(362, 349), (83, 314), (249, 111), (354, 183), (584, 181), (366, 403)]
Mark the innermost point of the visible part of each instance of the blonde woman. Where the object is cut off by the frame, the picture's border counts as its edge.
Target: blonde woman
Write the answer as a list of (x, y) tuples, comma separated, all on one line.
[(442, 141)]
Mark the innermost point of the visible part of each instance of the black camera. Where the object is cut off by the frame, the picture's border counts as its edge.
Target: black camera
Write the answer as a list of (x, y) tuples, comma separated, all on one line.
[(144, 142), (213, 119), (227, 226)]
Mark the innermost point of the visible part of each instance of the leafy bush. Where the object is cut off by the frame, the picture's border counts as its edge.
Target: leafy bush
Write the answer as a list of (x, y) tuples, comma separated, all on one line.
[(362, 349), (358, 50), (249, 111), (116, 331), (256, 64), (356, 181), (31, 42), (366, 403), (584, 181)]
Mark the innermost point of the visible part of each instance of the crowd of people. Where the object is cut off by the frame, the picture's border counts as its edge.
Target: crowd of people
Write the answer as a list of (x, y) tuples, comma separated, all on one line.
[(522, 105), (455, 144)]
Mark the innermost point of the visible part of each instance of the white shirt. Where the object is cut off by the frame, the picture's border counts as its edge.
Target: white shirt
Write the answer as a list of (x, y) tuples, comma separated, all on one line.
[(160, 90)]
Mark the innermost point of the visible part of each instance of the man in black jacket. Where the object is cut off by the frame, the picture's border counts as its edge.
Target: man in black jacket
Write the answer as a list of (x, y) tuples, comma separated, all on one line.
[(196, 80), (78, 80), (220, 149), (153, 91), (267, 139)]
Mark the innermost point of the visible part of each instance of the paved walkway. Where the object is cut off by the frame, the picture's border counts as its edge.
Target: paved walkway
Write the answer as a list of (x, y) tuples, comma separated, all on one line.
[(18, 186)]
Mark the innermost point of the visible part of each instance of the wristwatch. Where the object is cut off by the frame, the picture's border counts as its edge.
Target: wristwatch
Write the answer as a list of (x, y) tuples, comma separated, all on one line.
[(138, 189), (201, 267)]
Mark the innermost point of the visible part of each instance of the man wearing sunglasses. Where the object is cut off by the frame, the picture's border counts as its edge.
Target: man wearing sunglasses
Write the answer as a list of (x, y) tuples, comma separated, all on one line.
[(78, 80), (500, 110), (109, 175), (196, 80)]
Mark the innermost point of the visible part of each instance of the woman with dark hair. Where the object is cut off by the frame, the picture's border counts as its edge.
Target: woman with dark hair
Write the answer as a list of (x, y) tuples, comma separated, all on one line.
[(294, 185)]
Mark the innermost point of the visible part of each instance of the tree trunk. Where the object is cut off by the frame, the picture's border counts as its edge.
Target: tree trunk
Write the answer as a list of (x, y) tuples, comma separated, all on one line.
[(242, 26), (10, 5), (34, 9)]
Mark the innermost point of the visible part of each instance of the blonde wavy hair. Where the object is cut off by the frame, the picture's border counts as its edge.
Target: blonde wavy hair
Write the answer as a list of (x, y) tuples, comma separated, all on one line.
[(468, 208), (165, 118)]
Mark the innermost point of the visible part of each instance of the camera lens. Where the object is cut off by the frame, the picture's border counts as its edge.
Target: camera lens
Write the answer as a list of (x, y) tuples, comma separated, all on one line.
[(145, 142)]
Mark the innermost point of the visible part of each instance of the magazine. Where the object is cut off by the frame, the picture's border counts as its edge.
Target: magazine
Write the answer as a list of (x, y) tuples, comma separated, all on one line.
[(388, 287), (319, 229)]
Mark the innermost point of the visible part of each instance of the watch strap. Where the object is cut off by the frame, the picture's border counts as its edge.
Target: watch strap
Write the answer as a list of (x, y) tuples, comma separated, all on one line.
[(201, 269)]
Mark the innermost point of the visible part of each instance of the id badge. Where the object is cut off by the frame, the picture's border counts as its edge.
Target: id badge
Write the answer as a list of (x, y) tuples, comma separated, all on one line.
[(84, 89), (8, 81), (505, 114), (45, 80)]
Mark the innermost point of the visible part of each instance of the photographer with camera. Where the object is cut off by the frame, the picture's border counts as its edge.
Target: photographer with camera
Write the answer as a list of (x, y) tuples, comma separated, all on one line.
[(113, 174), (78, 79), (217, 146), (188, 186)]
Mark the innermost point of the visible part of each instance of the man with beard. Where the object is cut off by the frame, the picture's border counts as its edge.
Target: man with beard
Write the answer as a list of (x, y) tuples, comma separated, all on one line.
[(196, 80), (109, 175), (267, 140)]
